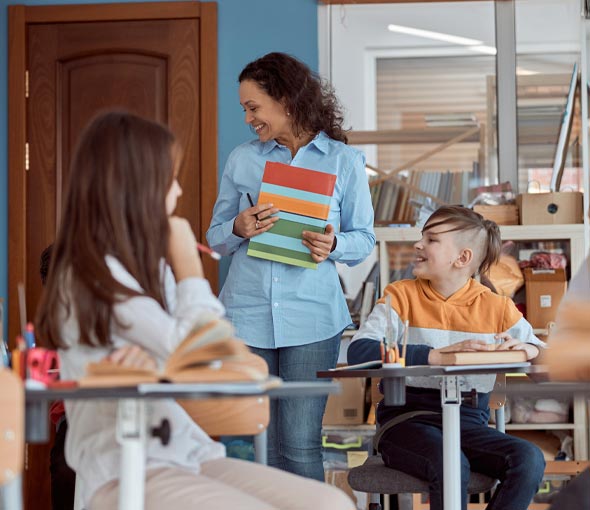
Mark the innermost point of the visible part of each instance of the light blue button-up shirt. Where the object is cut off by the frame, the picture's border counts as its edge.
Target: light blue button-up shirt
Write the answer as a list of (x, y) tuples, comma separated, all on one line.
[(272, 304)]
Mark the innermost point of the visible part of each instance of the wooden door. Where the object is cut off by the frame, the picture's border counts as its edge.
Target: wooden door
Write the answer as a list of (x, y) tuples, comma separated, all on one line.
[(66, 63)]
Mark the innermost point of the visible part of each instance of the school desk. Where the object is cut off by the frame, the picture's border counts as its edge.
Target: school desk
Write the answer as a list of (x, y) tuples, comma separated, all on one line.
[(131, 416), (394, 386)]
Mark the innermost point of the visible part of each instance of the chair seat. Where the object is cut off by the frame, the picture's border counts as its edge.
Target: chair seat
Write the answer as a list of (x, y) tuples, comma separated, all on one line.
[(374, 477)]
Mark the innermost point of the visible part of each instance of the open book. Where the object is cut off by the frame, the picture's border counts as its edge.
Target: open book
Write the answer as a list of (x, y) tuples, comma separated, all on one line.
[(303, 197), (482, 357), (210, 353)]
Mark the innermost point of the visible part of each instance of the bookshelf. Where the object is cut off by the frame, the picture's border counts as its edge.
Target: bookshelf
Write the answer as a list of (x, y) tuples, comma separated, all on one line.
[(417, 176), (573, 234)]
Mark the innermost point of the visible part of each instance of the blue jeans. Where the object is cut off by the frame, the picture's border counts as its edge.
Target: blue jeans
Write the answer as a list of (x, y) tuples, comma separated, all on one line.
[(415, 447), (295, 429)]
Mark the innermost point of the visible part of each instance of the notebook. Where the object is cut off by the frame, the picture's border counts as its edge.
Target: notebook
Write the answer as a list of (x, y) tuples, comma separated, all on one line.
[(303, 197)]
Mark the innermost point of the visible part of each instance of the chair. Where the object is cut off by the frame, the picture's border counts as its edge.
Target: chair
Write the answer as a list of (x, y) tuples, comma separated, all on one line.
[(375, 478), (12, 446), (243, 416)]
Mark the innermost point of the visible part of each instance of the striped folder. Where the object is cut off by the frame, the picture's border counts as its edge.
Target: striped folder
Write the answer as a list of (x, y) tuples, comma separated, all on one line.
[(303, 197)]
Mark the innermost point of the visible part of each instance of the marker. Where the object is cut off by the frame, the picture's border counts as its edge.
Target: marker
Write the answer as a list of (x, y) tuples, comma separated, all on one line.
[(208, 251), (29, 335)]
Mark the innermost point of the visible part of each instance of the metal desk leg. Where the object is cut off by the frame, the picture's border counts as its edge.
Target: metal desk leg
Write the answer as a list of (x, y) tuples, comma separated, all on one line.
[(11, 494), (131, 435), (451, 402), (260, 447)]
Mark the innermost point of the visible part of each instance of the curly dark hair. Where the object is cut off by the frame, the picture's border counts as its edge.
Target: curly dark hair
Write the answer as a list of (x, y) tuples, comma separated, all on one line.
[(308, 98)]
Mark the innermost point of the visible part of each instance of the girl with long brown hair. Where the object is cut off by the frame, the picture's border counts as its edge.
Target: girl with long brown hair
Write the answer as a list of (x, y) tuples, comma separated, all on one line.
[(126, 272)]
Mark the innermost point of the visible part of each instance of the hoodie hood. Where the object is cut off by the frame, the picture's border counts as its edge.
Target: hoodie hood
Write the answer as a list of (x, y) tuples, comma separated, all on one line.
[(465, 296)]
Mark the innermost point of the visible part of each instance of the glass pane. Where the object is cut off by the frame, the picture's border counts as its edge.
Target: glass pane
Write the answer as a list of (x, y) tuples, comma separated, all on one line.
[(440, 106), (547, 49), (419, 74)]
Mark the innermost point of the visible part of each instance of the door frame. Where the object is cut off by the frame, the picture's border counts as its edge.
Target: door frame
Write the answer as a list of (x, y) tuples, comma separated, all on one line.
[(19, 16)]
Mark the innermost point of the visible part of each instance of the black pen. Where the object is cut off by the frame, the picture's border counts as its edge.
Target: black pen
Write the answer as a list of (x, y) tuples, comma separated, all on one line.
[(251, 204)]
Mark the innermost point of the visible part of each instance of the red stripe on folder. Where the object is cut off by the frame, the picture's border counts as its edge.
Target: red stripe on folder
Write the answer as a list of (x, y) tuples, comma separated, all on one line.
[(299, 178)]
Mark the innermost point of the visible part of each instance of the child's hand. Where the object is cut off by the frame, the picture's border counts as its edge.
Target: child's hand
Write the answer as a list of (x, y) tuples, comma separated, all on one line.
[(132, 356), (512, 344), (182, 250), (434, 357)]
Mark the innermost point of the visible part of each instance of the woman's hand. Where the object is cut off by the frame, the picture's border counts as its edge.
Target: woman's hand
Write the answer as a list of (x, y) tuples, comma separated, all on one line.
[(434, 357), (182, 250), (320, 245), (512, 344), (132, 356), (255, 220)]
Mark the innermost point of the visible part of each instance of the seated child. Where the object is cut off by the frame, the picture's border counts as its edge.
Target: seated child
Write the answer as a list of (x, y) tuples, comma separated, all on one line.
[(125, 273), (448, 310)]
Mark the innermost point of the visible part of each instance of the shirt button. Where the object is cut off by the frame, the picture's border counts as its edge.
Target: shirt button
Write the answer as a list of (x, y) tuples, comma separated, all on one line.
[(276, 305), (275, 279)]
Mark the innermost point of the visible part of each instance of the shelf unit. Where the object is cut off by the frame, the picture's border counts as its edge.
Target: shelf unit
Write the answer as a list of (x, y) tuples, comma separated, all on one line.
[(574, 234)]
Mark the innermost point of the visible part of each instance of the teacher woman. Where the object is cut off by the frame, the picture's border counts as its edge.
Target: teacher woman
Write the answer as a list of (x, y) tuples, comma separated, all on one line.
[(291, 316)]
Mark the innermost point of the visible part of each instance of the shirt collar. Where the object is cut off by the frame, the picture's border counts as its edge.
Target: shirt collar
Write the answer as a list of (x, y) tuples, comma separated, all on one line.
[(320, 141), (268, 146)]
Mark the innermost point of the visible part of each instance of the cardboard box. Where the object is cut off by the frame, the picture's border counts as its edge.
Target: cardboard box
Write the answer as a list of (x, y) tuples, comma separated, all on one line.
[(551, 208), (348, 407), (503, 214), (544, 290)]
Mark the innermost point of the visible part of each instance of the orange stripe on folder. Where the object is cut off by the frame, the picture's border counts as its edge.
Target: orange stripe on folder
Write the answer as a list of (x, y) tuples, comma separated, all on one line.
[(296, 206), (299, 178)]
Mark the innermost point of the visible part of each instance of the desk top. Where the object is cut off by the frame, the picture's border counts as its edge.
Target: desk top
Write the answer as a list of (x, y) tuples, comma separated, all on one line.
[(273, 388), (426, 370)]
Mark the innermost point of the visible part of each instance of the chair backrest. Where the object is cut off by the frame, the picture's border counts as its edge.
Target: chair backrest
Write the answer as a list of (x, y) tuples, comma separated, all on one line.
[(12, 426), (232, 416)]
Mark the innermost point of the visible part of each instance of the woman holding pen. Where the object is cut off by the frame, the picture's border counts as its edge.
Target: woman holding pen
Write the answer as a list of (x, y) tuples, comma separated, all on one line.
[(291, 316)]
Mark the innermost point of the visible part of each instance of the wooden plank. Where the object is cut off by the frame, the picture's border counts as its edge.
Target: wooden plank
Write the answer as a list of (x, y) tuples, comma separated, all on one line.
[(17, 202), (208, 128), (416, 135), (570, 468), (112, 12)]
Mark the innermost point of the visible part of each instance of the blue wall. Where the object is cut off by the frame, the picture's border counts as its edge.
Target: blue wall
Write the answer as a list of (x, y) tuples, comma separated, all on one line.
[(247, 29)]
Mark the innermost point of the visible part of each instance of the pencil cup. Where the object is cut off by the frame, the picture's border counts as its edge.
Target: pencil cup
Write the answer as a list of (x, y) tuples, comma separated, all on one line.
[(394, 389)]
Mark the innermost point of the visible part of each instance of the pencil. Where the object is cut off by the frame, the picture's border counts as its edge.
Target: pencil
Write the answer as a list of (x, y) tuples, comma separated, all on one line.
[(205, 249), (251, 204)]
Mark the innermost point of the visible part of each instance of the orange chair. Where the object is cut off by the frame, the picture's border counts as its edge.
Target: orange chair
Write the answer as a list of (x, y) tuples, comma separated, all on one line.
[(12, 445)]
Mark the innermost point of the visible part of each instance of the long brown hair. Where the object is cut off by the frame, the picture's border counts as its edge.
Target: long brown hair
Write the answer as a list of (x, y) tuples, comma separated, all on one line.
[(115, 205), (310, 101)]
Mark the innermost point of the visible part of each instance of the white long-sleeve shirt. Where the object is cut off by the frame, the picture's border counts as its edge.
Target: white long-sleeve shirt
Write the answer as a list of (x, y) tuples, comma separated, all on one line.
[(91, 447)]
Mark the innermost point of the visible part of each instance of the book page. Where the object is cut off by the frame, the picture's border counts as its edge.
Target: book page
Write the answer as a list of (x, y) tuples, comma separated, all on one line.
[(224, 349), (212, 329)]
